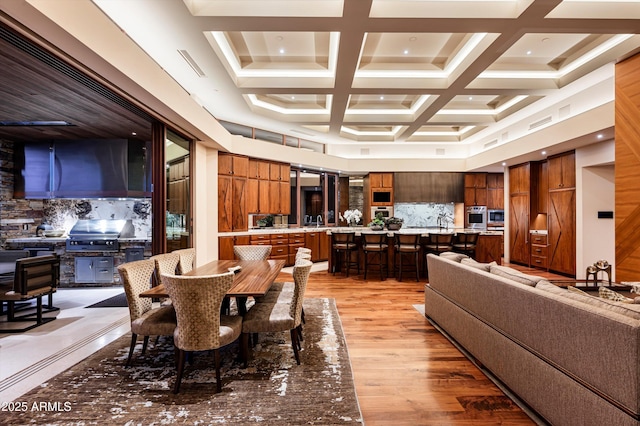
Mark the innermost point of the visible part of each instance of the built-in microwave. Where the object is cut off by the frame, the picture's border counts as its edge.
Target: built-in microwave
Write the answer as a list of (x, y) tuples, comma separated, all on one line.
[(476, 217), (385, 211), (495, 216), (380, 197)]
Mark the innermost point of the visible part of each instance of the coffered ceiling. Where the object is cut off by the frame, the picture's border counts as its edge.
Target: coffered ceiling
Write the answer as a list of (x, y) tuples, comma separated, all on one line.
[(377, 71)]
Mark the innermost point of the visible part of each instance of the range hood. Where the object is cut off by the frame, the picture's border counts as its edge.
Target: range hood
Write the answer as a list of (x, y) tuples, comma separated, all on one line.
[(87, 168)]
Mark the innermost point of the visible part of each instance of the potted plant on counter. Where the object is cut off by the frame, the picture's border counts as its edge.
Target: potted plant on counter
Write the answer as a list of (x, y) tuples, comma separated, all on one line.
[(377, 224), (394, 223)]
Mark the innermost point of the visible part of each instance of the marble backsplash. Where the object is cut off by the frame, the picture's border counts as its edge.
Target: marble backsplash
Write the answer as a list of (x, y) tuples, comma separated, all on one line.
[(63, 213), (423, 215)]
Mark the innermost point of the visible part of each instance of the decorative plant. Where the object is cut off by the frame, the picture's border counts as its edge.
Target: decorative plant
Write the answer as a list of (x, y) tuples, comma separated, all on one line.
[(266, 221), (394, 221), (352, 217), (377, 221)]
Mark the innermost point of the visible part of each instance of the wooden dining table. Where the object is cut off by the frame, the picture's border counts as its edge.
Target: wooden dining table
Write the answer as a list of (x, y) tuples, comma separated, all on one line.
[(253, 279)]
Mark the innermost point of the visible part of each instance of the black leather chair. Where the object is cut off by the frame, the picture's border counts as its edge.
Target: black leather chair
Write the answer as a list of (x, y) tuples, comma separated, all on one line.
[(465, 243)]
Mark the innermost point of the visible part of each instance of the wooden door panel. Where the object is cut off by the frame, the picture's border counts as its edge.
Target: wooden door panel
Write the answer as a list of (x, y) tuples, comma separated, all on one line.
[(519, 228), (562, 232), (225, 206), (240, 216)]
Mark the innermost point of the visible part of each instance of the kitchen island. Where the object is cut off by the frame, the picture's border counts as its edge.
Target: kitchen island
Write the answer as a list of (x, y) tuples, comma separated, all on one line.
[(78, 268)]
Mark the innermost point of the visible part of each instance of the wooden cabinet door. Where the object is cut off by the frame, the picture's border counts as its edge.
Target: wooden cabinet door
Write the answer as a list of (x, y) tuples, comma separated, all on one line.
[(312, 241), (225, 206), (375, 180), (562, 231), (562, 171), (274, 197), (324, 241), (495, 181), (470, 197), (253, 196), (543, 187), (519, 178), (519, 228), (387, 180), (495, 198), (285, 173), (253, 169), (225, 164), (264, 197), (225, 248), (263, 170), (240, 217), (285, 198)]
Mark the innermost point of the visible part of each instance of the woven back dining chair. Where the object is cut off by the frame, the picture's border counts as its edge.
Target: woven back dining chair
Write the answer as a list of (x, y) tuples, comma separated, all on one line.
[(200, 326)]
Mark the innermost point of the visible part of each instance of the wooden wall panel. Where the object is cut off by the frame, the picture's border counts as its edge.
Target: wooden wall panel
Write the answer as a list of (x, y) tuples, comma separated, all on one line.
[(627, 170)]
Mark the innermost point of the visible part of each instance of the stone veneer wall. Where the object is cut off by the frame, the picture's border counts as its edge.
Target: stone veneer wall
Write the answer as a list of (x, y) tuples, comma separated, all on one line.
[(18, 217)]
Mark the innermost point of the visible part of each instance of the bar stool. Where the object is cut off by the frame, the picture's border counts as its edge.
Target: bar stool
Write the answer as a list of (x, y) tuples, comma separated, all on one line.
[(343, 246), (376, 245), (436, 244), (465, 243), (407, 244)]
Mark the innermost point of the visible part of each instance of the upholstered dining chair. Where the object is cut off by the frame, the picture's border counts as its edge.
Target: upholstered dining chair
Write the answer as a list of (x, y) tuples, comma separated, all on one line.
[(165, 264), (437, 243), (465, 242), (255, 252), (145, 319), (197, 301), (278, 317), (186, 259)]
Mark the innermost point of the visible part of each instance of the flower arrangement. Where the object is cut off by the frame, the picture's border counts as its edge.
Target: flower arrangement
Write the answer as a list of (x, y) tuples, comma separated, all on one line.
[(352, 217)]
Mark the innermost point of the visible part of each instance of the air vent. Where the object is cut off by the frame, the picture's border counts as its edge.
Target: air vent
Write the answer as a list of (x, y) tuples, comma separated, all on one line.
[(68, 70), (564, 111), (439, 151), (539, 123), (504, 137), (490, 143), (364, 151), (189, 60)]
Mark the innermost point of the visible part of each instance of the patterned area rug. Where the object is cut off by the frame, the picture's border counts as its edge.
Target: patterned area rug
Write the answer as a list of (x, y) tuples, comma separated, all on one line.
[(273, 390)]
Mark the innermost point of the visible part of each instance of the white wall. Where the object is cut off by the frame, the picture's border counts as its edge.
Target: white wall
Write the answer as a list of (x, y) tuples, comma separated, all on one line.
[(595, 191), (204, 187)]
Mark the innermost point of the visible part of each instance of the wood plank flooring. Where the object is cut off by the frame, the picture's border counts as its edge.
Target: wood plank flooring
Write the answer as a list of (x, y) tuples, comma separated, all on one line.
[(406, 372)]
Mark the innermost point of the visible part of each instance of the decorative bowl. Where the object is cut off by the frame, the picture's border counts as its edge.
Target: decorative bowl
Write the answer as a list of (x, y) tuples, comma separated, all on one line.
[(394, 226), (376, 227), (53, 233)]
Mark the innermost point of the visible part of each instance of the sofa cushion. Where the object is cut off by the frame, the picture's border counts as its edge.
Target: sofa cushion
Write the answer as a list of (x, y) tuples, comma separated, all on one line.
[(628, 309), (515, 275), (607, 293), (475, 264), (451, 255)]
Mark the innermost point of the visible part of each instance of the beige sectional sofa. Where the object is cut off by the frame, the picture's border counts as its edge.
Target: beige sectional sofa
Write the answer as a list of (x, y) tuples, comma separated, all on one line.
[(573, 360)]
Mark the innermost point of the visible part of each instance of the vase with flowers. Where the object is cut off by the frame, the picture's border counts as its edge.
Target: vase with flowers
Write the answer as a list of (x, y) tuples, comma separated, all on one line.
[(352, 217)]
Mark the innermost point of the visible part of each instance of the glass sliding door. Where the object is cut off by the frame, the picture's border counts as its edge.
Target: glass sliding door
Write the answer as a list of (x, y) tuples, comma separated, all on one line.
[(178, 200)]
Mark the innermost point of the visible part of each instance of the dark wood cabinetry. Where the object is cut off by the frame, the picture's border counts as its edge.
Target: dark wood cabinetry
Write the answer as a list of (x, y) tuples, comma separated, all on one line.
[(539, 251), (381, 189), (318, 242), (232, 193), (522, 183), (495, 191), (268, 188), (562, 214), (225, 245), (475, 189), (178, 186)]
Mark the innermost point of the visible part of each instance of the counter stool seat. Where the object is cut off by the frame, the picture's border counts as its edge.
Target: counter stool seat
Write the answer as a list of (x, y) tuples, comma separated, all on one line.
[(437, 244), (407, 244), (375, 246), (343, 246), (465, 243)]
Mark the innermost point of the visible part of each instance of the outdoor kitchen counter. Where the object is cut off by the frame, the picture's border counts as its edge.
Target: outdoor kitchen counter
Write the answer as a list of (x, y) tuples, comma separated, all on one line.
[(68, 258)]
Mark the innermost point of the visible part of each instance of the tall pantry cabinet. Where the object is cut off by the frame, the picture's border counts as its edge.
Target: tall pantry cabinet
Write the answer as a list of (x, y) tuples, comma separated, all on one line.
[(522, 201), (232, 192), (561, 214)]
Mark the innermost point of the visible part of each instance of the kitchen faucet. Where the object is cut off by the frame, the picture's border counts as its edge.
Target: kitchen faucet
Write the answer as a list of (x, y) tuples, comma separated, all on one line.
[(318, 220)]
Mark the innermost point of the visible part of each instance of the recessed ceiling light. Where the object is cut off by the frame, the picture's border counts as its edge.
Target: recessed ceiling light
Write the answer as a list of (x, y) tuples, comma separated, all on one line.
[(470, 98), (528, 52), (134, 134), (281, 50), (381, 98), (600, 136), (406, 52), (293, 97), (504, 164), (544, 152)]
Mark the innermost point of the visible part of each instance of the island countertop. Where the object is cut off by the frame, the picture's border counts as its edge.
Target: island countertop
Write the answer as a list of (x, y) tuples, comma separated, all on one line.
[(357, 229)]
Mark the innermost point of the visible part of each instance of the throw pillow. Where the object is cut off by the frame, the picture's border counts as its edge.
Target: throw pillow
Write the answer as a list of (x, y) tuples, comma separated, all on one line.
[(630, 310), (607, 293), (456, 257), (475, 264), (515, 275)]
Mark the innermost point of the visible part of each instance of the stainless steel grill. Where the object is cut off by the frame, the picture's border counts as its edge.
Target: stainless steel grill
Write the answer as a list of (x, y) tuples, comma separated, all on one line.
[(98, 234)]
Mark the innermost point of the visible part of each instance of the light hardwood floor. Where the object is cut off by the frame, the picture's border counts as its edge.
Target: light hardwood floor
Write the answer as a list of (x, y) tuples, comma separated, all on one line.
[(406, 372)]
